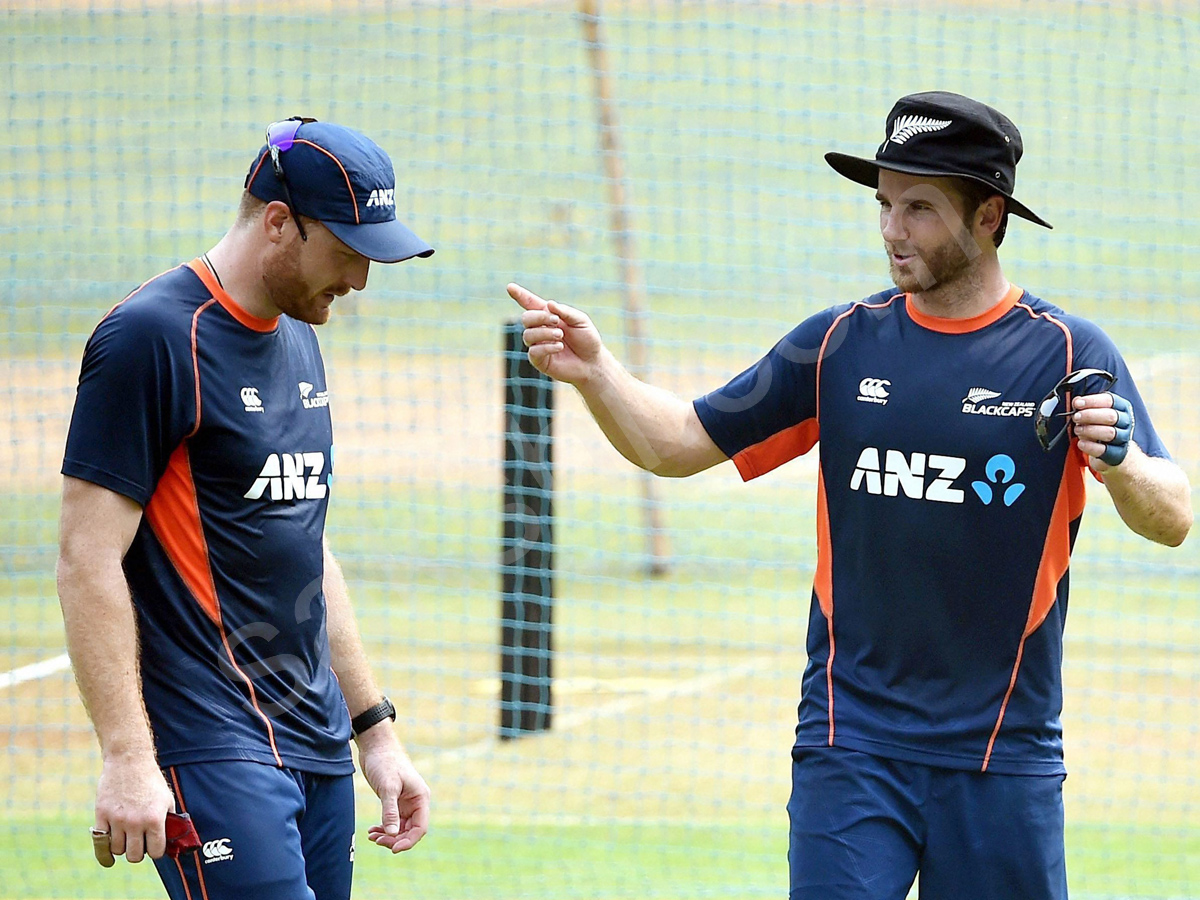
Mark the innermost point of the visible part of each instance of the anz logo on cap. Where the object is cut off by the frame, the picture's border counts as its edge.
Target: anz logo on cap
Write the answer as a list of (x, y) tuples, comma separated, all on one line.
[(382, 197)]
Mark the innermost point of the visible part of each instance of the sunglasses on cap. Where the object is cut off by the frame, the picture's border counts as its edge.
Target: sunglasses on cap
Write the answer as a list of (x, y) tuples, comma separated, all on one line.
[(1047, 410), (280, 138)]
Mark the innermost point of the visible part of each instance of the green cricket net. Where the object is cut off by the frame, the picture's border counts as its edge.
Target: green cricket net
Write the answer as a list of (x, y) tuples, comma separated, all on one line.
[(701, 231)]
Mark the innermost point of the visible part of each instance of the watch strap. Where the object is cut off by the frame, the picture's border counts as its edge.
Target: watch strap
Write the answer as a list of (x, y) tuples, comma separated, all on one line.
[(372, 716)]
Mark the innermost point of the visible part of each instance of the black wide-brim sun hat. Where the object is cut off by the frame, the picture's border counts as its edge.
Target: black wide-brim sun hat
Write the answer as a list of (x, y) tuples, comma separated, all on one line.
[(941, 135)]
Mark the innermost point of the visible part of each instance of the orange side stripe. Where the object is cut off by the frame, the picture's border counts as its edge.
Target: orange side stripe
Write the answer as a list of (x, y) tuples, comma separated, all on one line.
[(196, 361), (174, 515), (823, 585), (1012, 683), (187, 892), (195, 853), (777, 449), (1056, 554), (829, 679), (823, 579), (1056, 558)]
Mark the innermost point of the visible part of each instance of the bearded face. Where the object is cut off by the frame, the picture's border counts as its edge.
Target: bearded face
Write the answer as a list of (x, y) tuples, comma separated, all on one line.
[(925, 231), (303, 278)]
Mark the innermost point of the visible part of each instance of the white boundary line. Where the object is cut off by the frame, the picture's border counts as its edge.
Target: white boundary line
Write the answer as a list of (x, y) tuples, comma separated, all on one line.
[(570, 721), (34, 671)]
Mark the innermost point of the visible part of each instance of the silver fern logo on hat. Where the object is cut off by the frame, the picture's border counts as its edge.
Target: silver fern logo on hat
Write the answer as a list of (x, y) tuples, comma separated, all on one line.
[(907, 126)]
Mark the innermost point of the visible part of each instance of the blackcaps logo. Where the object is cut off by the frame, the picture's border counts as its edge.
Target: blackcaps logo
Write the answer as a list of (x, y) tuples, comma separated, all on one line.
[(975, 403), (310, 400)]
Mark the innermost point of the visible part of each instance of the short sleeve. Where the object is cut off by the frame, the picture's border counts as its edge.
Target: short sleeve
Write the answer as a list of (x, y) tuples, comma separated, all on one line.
[(1095, 349), (767, 415), (134, 405)]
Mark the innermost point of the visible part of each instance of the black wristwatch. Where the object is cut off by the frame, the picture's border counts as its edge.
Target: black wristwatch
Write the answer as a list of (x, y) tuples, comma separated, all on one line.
[(373, 716)]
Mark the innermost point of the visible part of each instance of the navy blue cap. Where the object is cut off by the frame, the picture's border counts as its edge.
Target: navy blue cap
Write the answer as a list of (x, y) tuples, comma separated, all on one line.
[(345, 181)]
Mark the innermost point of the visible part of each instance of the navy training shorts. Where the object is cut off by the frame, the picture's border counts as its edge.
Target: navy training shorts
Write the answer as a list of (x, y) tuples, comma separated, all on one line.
[(864, 827), (267, 833)]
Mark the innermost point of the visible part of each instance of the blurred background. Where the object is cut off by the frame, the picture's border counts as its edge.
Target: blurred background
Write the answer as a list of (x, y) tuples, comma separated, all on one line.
[(659, 165)]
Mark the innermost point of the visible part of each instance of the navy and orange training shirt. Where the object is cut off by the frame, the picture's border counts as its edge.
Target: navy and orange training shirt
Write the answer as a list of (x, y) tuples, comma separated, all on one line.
[(217, 423), (944, 531)]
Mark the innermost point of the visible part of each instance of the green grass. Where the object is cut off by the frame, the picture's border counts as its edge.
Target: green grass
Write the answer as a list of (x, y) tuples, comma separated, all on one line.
[(509, 859)]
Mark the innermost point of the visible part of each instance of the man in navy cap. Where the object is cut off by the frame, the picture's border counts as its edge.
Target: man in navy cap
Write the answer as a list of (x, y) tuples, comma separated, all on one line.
[(209, 625), (957, 415)]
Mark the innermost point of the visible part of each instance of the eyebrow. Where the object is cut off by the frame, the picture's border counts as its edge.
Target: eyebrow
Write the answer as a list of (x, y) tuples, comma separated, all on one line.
[(880, 197)]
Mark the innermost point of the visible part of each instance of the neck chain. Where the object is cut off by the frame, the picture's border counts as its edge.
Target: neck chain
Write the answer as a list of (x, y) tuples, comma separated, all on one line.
[(213, 269)]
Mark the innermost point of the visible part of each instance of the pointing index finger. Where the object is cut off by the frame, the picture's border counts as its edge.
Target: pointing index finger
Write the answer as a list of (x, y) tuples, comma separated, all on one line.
[(527, 298)]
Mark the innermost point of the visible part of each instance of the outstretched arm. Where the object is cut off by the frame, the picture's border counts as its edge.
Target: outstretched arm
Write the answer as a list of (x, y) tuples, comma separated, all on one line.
[(132, 798), (385, 764), (650, 427), (1151, 495)]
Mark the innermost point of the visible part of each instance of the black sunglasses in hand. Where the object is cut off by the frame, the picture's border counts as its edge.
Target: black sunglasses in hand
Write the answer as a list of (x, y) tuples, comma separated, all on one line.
[(1047, 410)]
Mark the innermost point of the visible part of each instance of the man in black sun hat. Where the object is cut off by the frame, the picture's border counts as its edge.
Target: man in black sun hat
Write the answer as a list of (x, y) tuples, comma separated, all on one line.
[(957, 415)]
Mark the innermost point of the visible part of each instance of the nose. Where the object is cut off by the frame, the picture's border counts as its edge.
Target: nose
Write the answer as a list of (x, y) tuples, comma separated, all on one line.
[(891, 226), (359, 273)]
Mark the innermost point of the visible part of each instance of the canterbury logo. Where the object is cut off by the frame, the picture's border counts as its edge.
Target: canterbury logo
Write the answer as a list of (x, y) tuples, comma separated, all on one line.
[(382, 197), (874, 390), (251, 400), (290, 476), (217, 851), (907, 126), (974, 395)]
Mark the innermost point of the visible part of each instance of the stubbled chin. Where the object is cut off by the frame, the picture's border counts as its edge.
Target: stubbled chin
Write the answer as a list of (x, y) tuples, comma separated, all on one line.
[(904, 279)]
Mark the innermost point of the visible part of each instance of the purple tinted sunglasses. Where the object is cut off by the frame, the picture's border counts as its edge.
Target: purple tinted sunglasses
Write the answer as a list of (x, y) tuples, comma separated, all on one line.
[(280, 138)]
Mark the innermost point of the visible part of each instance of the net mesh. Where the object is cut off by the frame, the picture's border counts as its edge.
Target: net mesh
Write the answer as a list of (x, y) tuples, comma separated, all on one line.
[(666, 772)]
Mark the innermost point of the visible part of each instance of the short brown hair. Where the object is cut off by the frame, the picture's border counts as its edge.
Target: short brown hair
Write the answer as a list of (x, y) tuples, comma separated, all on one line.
[(250, 208), (973, 194)]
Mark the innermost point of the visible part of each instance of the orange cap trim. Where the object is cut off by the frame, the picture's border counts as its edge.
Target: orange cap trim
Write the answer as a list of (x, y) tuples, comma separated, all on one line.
[(964, 326), (231, 306), (353, 199)]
